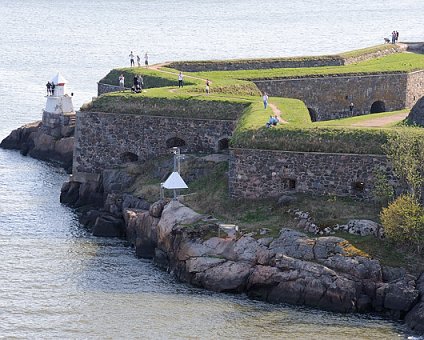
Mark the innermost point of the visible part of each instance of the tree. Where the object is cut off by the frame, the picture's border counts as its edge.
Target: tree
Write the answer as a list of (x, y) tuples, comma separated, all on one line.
[(405, 150)]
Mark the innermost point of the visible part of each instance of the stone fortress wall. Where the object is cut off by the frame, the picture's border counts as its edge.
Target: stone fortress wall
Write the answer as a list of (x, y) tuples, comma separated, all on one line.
[(328, 97), (104, 140), (267, 173)]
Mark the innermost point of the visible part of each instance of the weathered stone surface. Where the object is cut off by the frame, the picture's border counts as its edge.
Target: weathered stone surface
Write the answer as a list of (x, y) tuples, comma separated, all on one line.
[(89, 218), (358, 267), (363, 90), (157, 208), (416, 116), (108, 226), (415, 318), (294, 244), (103, 139), (174, 213), (70, 192), (201, 264), (229, 276), (364, 228), (391, 274), (315, 173), (401, 296), (115, 180)]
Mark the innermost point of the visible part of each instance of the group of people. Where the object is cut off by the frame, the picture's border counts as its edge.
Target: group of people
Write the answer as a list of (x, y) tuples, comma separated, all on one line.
[(138, 84), (395, 37), (132, 59), (50, 88)]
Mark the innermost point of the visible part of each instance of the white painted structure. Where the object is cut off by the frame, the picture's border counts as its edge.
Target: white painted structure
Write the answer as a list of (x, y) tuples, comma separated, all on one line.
[(60, 102)]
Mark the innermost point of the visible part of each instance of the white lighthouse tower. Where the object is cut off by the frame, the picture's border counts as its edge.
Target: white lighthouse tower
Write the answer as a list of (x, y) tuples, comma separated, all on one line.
[(59, 108)]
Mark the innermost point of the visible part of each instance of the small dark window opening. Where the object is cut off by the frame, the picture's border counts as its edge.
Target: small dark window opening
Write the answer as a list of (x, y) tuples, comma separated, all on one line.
[(127, 157), (175, 142), (292, 184), (358, 186), (346, 97), (223, 144)]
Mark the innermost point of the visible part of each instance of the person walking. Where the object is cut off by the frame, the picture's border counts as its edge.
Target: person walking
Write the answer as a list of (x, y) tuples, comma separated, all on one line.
[(180, 80), (131, 59), (146, 60), (122, 82), (265, 100), (138, 60)]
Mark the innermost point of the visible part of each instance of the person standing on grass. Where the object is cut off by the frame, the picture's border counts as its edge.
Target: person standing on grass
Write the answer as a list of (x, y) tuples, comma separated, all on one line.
[(207, 86), (122, 82), (131, 59), (180, 80), (146, 60), (351, 106), (138, 60), (265, 99)]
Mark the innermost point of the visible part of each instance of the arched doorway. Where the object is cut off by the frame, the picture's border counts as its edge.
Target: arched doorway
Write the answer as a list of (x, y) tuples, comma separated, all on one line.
[(127, 157), (377, 107), (175, 142), (223, 144), (313, 114)]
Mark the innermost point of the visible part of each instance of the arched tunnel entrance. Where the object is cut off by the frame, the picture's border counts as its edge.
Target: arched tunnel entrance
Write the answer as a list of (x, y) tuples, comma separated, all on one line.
[(377, 107), (175, 142)]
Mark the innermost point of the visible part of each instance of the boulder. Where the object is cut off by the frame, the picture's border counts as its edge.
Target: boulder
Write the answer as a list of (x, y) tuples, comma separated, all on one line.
[(116, 180), (157, 208), (108, 226), (174, 213), (401, 296), (228, 276), (286, 200), (69, 192), (131, 201), (416, 116), (89, 218), (364, 228), (415, 317)]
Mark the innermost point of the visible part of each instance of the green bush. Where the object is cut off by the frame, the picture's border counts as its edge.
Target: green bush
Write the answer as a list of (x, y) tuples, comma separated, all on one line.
[(403, 222)]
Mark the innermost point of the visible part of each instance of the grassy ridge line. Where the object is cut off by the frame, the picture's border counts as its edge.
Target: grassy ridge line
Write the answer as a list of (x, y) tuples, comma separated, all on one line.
[(330, 57), (394, 63)]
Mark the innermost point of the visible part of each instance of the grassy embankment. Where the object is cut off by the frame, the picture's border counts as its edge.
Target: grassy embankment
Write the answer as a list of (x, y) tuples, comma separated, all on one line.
[(209, 194)]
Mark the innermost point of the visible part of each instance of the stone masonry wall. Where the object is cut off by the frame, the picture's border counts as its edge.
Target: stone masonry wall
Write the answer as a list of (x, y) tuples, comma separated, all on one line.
[(268, 173), (256, 64), (329, 97), (105, 139), (253, 64), (415, 89), (106, 88)]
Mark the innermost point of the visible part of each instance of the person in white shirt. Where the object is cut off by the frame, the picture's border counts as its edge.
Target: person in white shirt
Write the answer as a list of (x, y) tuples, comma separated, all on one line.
[(131, 58), (265, 99), (180, 80), (122, 81)]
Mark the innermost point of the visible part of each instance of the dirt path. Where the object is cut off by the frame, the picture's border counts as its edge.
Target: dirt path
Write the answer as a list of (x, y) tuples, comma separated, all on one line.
[(378, 122), (277, 112)]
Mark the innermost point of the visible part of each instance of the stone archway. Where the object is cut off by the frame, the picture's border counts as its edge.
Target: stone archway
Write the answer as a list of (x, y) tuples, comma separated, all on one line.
[(128, 157), (175, 142), (313, 114), (223, 144), (377, 107)]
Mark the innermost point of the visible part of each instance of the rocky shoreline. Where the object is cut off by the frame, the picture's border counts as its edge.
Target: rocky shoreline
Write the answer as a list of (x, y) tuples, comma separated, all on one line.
[(321, 272), (41, 142)]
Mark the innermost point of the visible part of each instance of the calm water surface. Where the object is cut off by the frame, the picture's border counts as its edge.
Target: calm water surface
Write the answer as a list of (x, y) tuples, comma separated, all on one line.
[(56, 281)]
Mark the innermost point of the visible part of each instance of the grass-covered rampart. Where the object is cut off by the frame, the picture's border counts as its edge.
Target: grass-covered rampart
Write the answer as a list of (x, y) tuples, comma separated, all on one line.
[(188, 107), (234, 96)]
